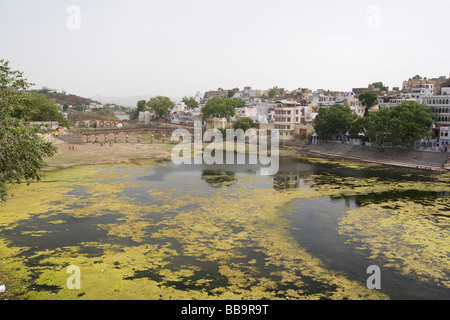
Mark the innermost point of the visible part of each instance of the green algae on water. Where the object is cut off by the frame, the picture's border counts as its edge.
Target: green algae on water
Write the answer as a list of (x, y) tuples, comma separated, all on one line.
[(222, 236)]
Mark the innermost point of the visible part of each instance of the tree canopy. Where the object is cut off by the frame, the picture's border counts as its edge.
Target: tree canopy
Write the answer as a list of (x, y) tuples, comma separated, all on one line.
[(380, 86), (368, 100), (334, 120), (141, 106), (220, 108), (401, 125), (21, 150), (161, 105), (273, 92), (190, 103), (39, 108), (243, 123)]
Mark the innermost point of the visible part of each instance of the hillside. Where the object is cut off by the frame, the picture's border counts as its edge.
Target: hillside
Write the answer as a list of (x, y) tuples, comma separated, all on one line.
[(70, 99)]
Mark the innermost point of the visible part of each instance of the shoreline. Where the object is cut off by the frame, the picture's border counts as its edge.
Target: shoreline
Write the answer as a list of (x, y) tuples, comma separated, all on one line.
[(92, 154)]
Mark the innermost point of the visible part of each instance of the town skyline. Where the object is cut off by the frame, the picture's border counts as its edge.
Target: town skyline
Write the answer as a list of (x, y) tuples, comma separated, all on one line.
[(130, 101)]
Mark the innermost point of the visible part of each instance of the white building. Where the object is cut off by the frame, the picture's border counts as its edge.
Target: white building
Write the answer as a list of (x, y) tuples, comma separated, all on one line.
[(247, 112), (444, 139), (145, 117), (441, 105), (425, 90)]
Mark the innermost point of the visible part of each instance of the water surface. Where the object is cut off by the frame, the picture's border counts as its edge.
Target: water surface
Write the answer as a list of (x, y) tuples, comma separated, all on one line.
[(153, 230)]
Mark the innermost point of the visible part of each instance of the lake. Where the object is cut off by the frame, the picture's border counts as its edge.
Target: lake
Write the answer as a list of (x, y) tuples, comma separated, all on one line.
[(154, 230)]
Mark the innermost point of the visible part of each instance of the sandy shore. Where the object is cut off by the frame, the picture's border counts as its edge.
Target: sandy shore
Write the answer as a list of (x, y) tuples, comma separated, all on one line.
[(86, 154)]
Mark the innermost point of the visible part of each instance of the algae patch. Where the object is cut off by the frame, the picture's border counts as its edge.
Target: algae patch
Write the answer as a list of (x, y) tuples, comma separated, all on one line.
[(213, 234)]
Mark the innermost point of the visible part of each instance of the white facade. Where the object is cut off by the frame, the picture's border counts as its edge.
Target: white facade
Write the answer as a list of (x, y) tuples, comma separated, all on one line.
[(441, 105), (425, 90), (247, 112), (445, 91), (145, 117), (444, 138)]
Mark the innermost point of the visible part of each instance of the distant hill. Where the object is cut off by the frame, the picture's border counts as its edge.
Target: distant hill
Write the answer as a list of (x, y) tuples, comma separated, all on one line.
[(70, 99), (122, 101), (128, 101)]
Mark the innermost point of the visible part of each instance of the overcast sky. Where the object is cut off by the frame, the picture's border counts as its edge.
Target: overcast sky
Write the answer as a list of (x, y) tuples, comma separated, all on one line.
[(178, 47)]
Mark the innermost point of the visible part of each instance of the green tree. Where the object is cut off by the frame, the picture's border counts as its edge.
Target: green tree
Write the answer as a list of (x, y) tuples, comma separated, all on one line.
[(380, 86), (273, 92), (243, 123), (42, 109), (230, 93), (79, 107), (161, 105), (401, 125), (334, 120), (239, 103), (190, 103), (368, 100), (141, 106), (21, 150), (219, 108), (357, 127)]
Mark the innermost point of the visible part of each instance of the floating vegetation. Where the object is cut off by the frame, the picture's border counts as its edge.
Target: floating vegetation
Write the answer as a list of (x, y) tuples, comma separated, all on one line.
[(211, 234)]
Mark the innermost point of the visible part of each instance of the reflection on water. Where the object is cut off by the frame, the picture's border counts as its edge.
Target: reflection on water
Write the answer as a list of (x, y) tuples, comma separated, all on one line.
[(225, 232), (218, 178)]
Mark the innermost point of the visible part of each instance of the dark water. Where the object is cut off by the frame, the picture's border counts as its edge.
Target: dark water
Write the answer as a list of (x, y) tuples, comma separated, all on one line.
[(313, 222)]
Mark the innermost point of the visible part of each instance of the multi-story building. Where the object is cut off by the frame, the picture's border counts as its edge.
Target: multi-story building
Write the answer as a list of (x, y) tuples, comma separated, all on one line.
[(444, 138), (425, 90), (288, 115), (417, 81), (441, 105)]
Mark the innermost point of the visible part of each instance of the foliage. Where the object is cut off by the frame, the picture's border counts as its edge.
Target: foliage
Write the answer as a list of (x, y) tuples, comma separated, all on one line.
[(42, 109), (273, 92), (96, 114), (368, 100), (230, 93), (335, 120), (243, 123), (21, 150), (160, 105), (140, 107), (63, 98), (357, 127), (240, 103), (380, 86), (190, 103), (219, 108), (401, 125)]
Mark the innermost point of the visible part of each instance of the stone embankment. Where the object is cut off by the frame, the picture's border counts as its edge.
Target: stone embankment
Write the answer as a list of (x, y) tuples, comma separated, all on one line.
[(424, 160)]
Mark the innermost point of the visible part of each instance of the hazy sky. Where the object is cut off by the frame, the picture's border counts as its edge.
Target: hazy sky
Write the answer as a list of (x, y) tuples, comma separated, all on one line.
[(178, 47)]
